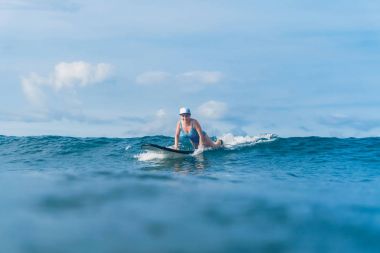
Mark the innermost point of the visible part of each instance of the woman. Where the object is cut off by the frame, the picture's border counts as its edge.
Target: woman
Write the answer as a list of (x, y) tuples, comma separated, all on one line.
[(190, 128)]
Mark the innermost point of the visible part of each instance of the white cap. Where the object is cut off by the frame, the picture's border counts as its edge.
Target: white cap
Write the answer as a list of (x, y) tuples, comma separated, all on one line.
[(184, 110)]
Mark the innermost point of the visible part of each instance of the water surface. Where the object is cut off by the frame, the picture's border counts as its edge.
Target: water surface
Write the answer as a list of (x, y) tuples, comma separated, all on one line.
[(260, 194)]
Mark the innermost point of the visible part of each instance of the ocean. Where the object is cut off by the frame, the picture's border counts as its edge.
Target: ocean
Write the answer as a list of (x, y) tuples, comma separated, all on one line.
[(258, 194)]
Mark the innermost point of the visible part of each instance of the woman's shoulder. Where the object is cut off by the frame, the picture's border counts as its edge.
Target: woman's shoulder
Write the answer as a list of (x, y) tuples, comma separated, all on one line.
[(194, 121)]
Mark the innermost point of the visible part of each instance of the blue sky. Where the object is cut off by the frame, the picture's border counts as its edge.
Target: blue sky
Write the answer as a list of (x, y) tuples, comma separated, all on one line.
[(123, 68)]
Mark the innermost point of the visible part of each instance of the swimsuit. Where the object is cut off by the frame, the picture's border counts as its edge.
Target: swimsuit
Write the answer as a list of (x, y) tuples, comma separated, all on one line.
[(192, 134)]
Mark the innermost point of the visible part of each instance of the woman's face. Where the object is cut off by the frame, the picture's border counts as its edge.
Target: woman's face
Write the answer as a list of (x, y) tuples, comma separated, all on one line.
[(185, 116)]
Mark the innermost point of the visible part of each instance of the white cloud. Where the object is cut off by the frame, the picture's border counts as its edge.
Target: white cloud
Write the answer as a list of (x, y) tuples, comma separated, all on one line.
[(205, 77), (79, 73), (161, 113), (159, 123), (152, 77), (31, 87), (65, 75), (213, 109)]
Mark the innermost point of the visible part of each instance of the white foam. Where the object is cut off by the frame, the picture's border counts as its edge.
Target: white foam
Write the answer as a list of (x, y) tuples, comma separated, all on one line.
[(157, 155), (200, 151), (149, 155), (231, 141)]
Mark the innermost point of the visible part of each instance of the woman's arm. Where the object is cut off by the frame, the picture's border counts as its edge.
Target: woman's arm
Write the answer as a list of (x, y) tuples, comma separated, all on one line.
[(176, 137), (200, 133)]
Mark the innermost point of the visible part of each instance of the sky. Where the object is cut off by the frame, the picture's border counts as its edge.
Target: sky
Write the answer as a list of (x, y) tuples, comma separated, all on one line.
[(123, 68)]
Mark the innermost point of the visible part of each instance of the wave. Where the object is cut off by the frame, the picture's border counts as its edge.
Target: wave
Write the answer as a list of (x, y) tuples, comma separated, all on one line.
[(56, 148), (231, 142)]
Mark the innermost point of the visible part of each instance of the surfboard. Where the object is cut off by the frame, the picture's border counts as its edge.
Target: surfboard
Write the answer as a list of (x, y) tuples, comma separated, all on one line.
[(151, 146)]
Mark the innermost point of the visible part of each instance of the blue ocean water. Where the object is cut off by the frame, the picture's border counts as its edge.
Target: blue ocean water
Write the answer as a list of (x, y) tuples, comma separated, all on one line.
[(259, 194)]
